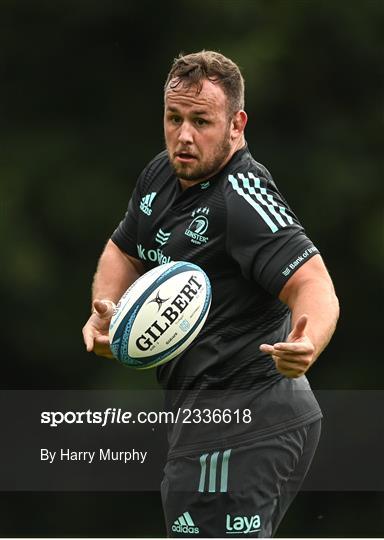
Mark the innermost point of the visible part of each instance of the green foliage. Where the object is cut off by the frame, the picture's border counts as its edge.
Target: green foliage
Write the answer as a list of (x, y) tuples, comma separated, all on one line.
[(82, 114)]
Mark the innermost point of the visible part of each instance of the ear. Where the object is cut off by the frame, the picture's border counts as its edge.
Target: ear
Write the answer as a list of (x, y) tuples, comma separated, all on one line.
[(238, 123)]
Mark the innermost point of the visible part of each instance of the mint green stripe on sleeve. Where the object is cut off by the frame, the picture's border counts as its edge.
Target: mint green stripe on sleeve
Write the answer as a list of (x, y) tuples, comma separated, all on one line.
[(224, 472), (203, 465), (212, 472), (256, 206)]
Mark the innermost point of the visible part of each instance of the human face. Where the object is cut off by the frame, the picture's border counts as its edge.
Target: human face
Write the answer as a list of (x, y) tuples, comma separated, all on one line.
[(197, 131)]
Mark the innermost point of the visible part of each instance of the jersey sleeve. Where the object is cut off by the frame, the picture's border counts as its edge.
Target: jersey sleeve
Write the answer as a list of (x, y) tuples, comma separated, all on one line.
[(125, 235), (263, 234)]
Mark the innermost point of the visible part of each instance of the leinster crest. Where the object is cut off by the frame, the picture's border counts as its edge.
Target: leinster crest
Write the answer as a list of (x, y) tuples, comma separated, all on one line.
[(198, 226)]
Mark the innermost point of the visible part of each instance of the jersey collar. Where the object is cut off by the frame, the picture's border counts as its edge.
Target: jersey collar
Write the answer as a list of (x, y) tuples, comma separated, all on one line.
[(206, 184)]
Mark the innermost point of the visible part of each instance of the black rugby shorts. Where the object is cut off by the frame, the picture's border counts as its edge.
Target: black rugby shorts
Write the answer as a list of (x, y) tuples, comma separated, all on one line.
[(240, 492)]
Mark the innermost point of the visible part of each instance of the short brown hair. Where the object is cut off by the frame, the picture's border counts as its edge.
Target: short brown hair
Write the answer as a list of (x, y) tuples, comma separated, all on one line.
[(193, 69)]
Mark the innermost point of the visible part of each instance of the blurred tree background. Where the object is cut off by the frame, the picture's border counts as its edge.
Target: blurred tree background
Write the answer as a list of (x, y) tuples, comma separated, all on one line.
[(81, 114)]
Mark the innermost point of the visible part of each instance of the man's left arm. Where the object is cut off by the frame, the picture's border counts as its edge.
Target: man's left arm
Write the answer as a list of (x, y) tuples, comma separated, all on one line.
[(310, 295)]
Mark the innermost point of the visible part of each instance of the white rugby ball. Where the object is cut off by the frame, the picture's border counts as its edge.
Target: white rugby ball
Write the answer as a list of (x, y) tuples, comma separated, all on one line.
[(160, 315)]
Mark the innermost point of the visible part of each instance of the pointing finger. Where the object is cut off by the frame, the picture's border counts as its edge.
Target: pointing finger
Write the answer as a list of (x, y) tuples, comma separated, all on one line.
[(298, 347)]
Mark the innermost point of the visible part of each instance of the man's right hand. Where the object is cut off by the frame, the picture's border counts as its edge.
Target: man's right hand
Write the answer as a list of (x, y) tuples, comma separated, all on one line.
[(95, 331)]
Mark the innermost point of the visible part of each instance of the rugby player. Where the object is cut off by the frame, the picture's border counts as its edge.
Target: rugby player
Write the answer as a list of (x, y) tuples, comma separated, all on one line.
[(206, 200)]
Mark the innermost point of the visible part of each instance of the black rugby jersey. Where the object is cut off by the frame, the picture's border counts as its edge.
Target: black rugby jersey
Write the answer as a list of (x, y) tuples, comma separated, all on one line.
[(238, 227)]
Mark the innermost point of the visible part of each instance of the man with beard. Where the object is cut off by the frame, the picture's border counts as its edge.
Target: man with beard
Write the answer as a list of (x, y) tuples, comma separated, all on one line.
[(273, 309)]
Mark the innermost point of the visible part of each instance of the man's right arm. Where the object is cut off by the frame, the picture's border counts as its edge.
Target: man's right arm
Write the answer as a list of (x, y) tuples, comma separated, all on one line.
[(116, 271)]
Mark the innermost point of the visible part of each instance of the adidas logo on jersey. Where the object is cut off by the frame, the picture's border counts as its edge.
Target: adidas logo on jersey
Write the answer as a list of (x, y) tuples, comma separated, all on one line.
[(184, 524), (146, 202)]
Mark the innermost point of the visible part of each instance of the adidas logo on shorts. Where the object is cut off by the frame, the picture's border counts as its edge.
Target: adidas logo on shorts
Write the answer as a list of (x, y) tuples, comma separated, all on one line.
[(184, 524), (146, 202)]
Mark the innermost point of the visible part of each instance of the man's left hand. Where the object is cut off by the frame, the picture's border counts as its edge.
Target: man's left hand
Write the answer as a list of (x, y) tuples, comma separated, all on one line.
[(295, 356)]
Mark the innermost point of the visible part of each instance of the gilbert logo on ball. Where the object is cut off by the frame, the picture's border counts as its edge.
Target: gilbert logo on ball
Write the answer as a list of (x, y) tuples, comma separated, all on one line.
[(160, 315)]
